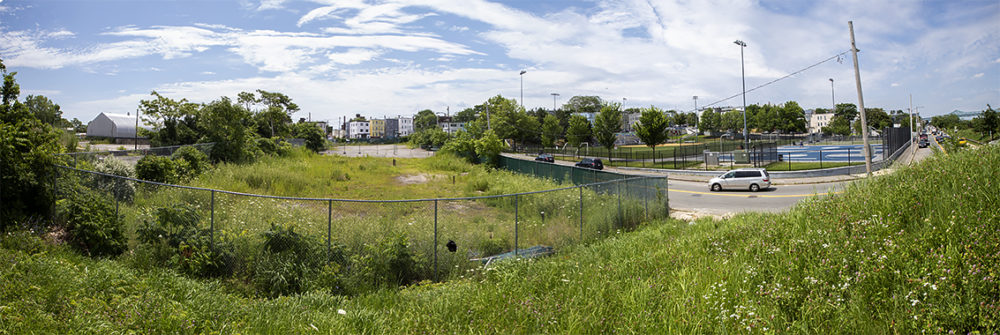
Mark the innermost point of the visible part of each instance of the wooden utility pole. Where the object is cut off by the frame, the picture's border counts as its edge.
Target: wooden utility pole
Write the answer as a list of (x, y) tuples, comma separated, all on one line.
[(861, 103)]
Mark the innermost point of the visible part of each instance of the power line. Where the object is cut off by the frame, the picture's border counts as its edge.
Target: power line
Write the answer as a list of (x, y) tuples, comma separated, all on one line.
[(779, 79)]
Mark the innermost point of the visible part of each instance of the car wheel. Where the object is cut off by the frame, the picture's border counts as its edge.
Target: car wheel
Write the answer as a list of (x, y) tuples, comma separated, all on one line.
[(754, 188), (716, 187)]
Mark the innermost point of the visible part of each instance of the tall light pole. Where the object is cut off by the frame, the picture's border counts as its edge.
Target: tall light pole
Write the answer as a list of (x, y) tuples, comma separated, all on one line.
[(136, 137), (746, 135), (695, 104), (522, 87), (833, 100), (554, 95)]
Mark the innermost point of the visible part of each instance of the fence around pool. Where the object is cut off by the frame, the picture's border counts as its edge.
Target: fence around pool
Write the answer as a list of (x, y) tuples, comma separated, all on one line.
[(447, 235)]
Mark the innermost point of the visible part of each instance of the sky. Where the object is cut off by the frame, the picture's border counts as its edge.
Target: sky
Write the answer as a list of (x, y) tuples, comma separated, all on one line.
[(386, 58)]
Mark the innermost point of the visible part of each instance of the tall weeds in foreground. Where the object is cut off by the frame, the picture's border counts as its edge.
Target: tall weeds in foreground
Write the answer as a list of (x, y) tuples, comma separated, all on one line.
[(911, 252)]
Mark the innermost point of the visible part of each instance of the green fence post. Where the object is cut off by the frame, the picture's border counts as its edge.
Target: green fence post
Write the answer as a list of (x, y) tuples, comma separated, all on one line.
[(211, 224), (329, 225), (581, 213), (618, 188), (435, 240), (515, 224)]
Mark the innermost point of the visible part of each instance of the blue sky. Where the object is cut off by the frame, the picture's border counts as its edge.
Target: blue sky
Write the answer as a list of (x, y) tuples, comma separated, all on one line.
[(395, 57)]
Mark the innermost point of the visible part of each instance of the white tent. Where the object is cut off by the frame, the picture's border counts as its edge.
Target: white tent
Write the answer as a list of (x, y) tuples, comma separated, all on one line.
[(112, 126)]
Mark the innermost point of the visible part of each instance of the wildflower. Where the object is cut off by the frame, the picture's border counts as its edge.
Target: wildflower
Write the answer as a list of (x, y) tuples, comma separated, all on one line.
[(341, 312)]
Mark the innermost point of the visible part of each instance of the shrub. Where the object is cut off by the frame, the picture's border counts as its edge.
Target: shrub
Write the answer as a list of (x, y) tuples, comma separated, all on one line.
[(156, 168), (386, 263), (173, 237), (493, 246), (91, 223), (190, 161), (122, 189), (267, 146), (293, 263)]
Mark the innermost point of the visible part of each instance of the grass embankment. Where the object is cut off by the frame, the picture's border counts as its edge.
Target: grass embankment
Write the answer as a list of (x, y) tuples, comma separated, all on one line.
[(904, 253)]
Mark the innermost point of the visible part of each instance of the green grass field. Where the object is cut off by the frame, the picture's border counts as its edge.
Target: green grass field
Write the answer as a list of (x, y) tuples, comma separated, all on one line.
[(911, 252)]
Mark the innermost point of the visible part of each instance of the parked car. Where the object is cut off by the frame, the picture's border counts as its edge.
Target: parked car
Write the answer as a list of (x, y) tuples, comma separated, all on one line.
[(591, 163), (752, 179), (923, 143), (939, 138), (545, 158)]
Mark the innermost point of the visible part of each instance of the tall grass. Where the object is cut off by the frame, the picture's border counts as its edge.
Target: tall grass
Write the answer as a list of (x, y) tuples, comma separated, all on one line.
[(911, 252)]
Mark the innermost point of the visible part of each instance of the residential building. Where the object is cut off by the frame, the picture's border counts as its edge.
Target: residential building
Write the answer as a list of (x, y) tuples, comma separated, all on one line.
[(376, 128), (405, 125), (818, 121), (589, 116), (391, 128), (358, 129), (338, 133)]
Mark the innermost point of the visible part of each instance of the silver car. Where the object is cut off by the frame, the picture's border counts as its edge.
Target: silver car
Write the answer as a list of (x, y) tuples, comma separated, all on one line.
[(752, 179)]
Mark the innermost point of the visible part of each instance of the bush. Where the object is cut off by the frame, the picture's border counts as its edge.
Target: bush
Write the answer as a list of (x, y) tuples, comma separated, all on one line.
[(122, 189), (267, 146), (493, 246), (173, 237), (156, 168), (386, 263), (190, 161), (294, 263), (91, 224)]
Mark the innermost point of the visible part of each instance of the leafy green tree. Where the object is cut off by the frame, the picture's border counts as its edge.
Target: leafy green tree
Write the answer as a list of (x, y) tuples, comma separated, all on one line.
[(44, 109), (550, 130), (527, 127), (692, 119), (607, 124), (711, 121), (462, 145), (989, 122), (876, 118), (579, 130), (791, 118), (488, 148), (27, 148), (947, 121), (733, 121), (766, 118), (174, 122), (278, 110), (425, 119), (78, 126), (466, 115), (311, 134), (226, 124), (584, 104), (652, 127)]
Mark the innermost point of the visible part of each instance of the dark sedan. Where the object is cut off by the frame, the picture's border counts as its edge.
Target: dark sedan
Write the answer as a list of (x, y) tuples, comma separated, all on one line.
[(591, 163), (545, 158)]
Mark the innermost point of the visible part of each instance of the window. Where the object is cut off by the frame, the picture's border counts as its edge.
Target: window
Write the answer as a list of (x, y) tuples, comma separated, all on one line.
[(747, 174), (728, 175)]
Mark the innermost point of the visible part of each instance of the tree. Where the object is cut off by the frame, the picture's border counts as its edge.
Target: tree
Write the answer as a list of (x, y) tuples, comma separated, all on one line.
[(692, 119), (651, 128), (989, 122), (947, 121), (174, 122), (876, 118), (607, 124), (488, 148), (732, 121), (584, 104), (226, 124), (711, 121), (44, 110), (466, 115), (425, 119), (278, 110), (78, 126), (550, 130), (579, 130), (766, 118), (27, 157), (311, 134), (791, 118)]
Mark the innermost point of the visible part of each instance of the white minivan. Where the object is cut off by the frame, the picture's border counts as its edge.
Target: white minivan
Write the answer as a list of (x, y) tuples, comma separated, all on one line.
[(752, 179)]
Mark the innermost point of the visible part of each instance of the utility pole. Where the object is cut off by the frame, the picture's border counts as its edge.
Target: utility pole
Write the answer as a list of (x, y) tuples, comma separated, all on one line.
[(522, 87), (696, 104), (861, 102), (743, 72), (136, 137), (554, 95)]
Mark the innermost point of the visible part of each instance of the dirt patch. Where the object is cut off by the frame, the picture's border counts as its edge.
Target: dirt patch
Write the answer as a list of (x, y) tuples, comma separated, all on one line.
[(415, 179), (692, 215)]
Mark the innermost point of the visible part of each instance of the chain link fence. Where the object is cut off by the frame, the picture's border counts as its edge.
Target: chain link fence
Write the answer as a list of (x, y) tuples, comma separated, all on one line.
[(276, 245)]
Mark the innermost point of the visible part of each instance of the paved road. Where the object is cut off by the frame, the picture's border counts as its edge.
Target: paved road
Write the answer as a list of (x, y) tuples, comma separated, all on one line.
[(696, 197)]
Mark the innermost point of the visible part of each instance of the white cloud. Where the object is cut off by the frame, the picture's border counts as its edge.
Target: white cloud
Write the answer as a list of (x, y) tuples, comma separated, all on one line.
[(978, 75), (894, 85)]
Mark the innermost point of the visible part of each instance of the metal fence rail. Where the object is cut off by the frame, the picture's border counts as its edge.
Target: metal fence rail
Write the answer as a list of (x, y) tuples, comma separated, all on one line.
[(476, 227)]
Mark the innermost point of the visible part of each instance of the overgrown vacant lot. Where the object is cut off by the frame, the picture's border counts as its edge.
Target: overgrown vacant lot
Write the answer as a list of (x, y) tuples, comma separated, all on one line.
[(905, 253)]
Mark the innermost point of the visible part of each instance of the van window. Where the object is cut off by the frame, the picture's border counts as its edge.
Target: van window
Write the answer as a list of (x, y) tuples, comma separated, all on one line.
[(747, 174)]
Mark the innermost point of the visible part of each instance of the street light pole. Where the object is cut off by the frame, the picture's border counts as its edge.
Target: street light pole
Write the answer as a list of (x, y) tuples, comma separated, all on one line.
[(833, 100), (746, 135), (554, 95), (522, 87), (695, 104)]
